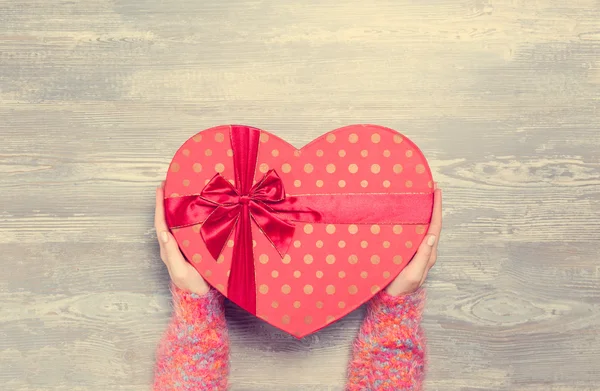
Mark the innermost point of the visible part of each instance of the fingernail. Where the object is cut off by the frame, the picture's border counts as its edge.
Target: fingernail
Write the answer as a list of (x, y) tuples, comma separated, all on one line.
[(434, 185), (431, 240), (164, 237)]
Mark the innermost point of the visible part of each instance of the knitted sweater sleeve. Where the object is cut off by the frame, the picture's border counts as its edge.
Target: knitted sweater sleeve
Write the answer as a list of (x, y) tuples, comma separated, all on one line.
[(193, 354), (389, 352)]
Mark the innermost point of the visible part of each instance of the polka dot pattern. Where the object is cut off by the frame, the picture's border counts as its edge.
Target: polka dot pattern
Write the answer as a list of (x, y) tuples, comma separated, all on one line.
[(330, 269)]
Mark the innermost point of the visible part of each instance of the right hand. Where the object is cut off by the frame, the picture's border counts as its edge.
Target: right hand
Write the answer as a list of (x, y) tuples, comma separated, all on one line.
[(413, 275), (183, 275)]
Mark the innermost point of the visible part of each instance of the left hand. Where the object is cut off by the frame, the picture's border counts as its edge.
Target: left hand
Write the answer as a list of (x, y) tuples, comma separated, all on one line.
[(182, 273), (413, 275)]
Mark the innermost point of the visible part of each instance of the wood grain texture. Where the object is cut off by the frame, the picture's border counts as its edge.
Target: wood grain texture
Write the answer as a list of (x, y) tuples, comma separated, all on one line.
[(502, 97)]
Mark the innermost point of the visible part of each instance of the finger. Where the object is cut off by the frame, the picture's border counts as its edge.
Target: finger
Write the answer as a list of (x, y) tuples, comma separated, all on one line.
[(160, 224), (174, 258), (435, 226), (159, 212), (418, 263), (424, 277), (430, 264), (157, 223), (432, 258), (163, 254)]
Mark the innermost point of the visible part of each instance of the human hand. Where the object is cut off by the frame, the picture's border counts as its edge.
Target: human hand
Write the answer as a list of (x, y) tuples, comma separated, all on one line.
[(183, 275), (413, 275)]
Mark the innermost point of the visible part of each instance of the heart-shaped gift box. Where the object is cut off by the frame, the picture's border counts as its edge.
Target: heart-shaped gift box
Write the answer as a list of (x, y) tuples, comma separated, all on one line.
[(299, 237)]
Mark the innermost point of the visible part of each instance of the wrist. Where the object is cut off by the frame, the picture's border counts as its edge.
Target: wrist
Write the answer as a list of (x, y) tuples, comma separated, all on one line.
[(193, 292), (196, 289), (188, 304), (398, 291), (384, 304), (201, 291)]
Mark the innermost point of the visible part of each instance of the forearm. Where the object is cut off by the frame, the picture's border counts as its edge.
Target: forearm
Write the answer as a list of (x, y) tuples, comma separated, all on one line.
[(194, 351), (389, 351)]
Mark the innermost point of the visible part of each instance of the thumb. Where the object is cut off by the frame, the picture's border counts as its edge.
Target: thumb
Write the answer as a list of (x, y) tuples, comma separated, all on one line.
[(175, 258), (418, 264)]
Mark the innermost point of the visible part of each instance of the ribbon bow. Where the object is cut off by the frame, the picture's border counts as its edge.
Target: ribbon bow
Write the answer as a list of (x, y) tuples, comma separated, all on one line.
[(235, 207)]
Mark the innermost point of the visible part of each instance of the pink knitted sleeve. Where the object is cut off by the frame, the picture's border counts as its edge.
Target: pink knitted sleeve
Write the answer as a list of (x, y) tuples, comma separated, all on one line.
[(389, 351), (194, 351)]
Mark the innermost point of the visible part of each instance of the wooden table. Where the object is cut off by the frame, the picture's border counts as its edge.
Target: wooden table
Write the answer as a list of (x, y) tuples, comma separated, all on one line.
[(503, 98)]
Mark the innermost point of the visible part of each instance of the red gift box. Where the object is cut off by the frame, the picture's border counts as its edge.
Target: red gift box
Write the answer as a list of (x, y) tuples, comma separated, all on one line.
[(299, 237)]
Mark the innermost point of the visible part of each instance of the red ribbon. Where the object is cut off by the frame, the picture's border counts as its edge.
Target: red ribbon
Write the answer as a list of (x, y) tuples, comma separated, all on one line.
[(221, 208), (231, 206)]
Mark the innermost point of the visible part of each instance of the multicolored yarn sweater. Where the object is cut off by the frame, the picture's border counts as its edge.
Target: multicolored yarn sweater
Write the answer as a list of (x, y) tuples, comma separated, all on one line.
[(388, 353)]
